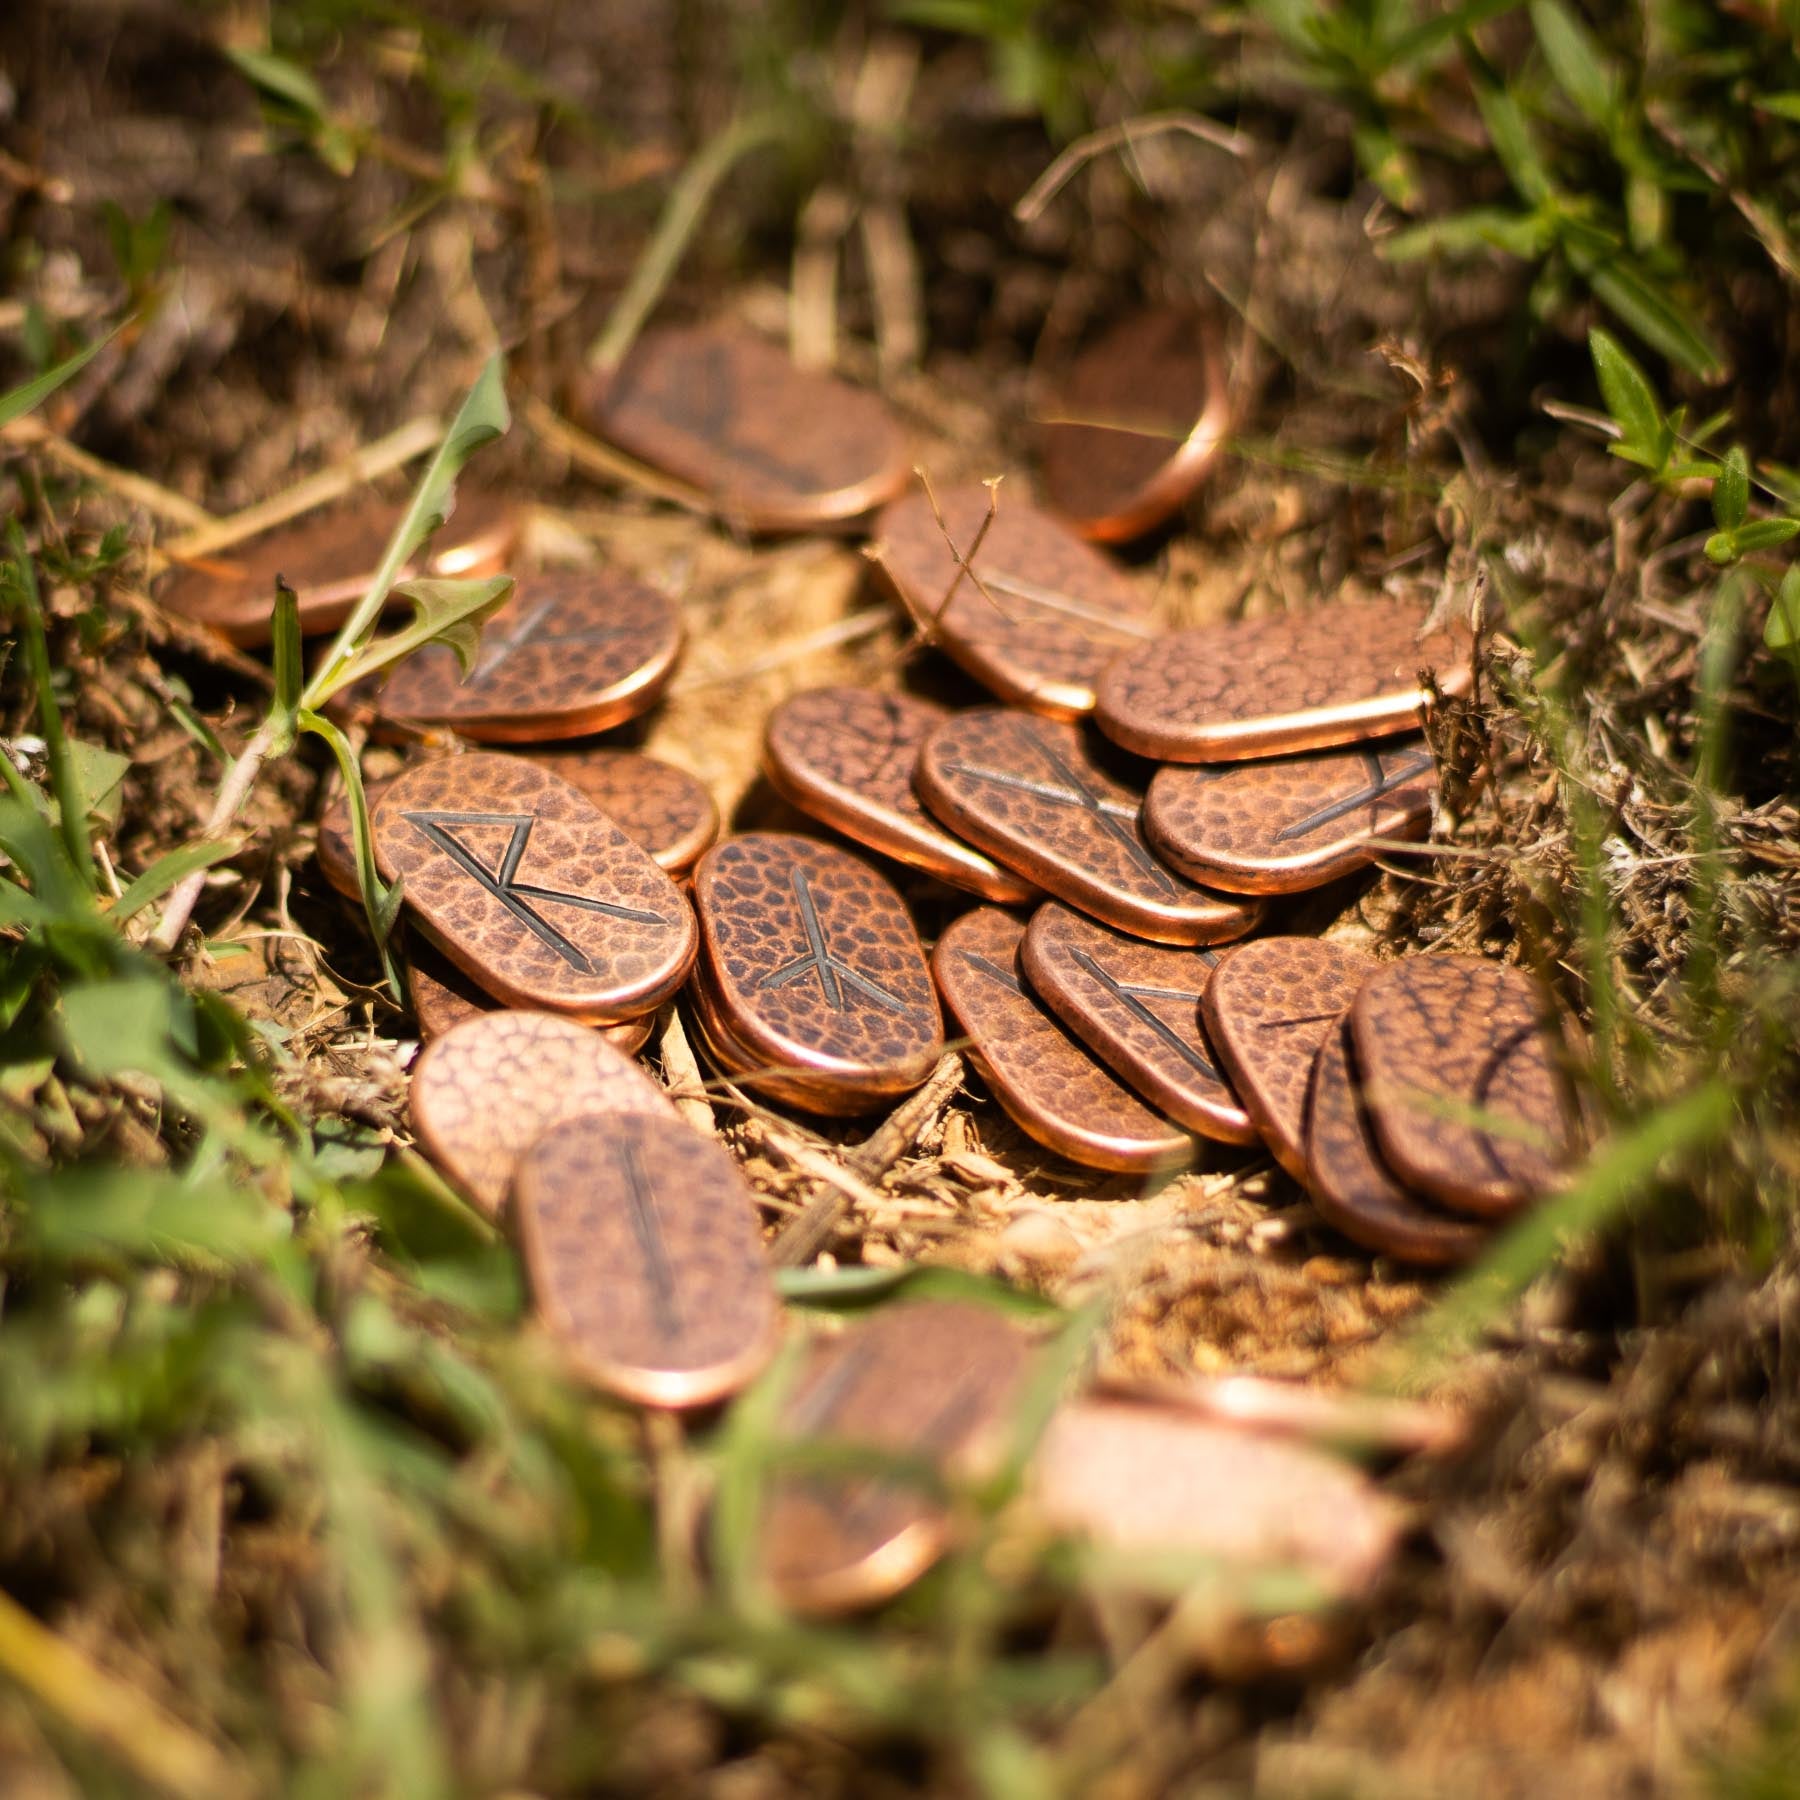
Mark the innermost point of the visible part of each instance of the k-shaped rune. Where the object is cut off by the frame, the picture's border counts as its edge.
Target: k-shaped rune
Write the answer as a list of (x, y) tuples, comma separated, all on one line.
[(498, 648), (1379, 778), (1133, 995), (834, 974)]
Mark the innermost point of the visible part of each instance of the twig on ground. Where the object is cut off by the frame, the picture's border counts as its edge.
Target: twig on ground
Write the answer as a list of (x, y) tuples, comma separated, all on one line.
[(681, 1072)]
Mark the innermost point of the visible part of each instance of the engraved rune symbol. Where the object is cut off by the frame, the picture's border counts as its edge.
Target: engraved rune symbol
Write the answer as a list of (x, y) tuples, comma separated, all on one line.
[(993, 971), (1132, 996), (646, 1227), (835, 975), (703, 400), (499, 647), (1379, 778), (503, 883)]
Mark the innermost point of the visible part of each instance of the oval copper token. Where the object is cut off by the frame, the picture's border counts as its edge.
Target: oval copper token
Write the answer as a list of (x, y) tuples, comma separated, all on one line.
[(1292, 822), (1334, 674), (1269, 1006), (1031, 792), (934, 1381), (525, 887), (811, 961), (1352, 1187), (443, 996), (1439, 1035), (1137, 1007), (1042, 614), (1050, 1087), (641, 1245), (846, 755), (773, 447), (661, 808), (1135, 424), (573, 651), (328, 559), (492, 1085)]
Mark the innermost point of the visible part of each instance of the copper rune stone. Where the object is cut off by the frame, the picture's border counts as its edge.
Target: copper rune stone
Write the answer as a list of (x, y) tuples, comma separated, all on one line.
[(661, 808), (641, 1245), (1291, 822), (814, 973), (329, 559), (1269, 1006), (934, 1381), (1053, 1090), (443, 996), (1136, 1006), (1350, 1184), (1436, 1035), (529, 890), (491, 1086), (846, 756), (1334, 674), (573, 651), (772, 447), (1036, 795), (1040, 616), (1135, 424)]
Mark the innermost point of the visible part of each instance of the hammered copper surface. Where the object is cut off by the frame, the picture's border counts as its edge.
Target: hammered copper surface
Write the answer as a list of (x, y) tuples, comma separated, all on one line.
[(1438, 1034), (528, 889), (337, 840), (813, 964), (1333, 674), (1137, 1007), (443, 996), (492, 1085), (1052, 1089), (1033, 794), (573, 651), (1269, 1006), (1135, 423), (641, 1245), (328, 559), (846, 756), (773, 447), (661, 808), (1292, 822), (1047, 614), (935, 1381), (1353, 1188)]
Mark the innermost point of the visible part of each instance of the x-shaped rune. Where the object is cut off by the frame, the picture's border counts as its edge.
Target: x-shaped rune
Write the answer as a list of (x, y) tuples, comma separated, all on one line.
[(1133, 995), (835, 975), (1379, 778), (498, 648)]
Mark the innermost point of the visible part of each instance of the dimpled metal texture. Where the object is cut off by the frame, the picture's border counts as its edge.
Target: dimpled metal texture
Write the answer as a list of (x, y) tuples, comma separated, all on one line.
[(491, 1086), (573, 651), (1334, 674), (529, 890), (1053, 1090), (1047, 615), (846, 756), (1292, 822), (1352, 1187), (1032, 793), (1154, 407), (640, 1242), (1137, 1007), (934, 1380), (443, 996), (1269, 1006), (812, 963), (773, 447), (328, 560), (1460, 1032), (661, 808)]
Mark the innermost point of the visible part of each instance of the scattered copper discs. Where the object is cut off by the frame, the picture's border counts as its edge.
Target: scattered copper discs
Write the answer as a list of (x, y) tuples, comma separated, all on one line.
[(1033, 793), (533, 893), (1438, 1035), (1053, 1090), (1137, 1007), (573, 651), (1334, 674), (1351, 1185), (491, 1086), (773, 447), (661, 808), (640, 1241), (328, 559), (815, 984), (1040, 615), (1135, 424), (1292, 822), (934, 1381), (846, 755), (1269, 1006)]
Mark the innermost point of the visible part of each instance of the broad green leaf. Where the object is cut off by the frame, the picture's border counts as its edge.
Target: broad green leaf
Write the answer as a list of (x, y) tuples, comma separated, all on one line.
[(125, 1026), (1731, 492), (1783, 106), (1521, 234), (1577, 62), (1782, 629), (1628, 394), (1513, 142), (1764, 534), (100, 773), (37, 852), (1654, 314), (105, 1212), (32, 394), (445, 611), (167, 870), (284, 80)]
